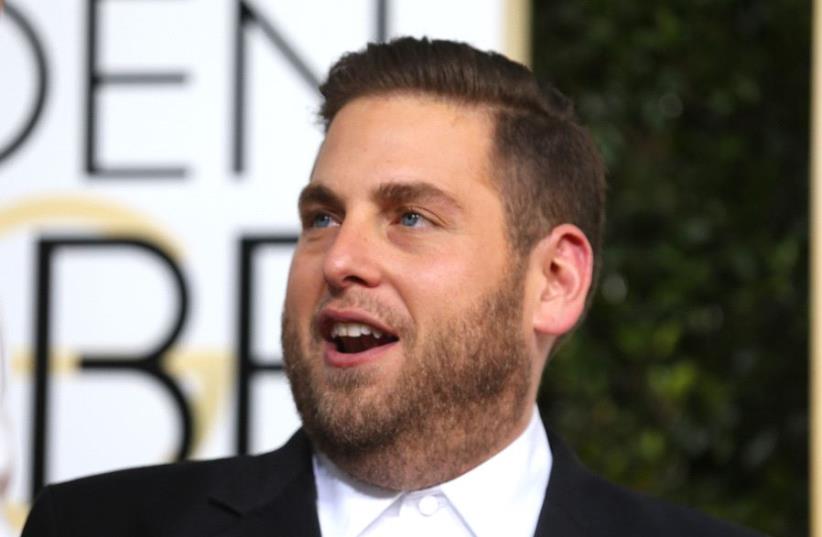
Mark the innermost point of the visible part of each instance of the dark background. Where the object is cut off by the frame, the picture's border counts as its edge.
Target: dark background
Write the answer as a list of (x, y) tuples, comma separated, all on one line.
[(689, 378)]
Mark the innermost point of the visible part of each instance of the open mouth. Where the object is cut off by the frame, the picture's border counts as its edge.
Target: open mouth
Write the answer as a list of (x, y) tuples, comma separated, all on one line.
[(350, 337)]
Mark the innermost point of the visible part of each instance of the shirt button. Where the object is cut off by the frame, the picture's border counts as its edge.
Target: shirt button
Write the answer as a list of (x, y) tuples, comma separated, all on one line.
[(428, 505)]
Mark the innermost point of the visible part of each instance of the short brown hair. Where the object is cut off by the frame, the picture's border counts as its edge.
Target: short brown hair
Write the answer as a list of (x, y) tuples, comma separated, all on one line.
[(549, 170)]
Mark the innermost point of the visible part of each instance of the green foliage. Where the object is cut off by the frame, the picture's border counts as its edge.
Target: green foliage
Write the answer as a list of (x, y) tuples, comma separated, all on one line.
[(688, 379)]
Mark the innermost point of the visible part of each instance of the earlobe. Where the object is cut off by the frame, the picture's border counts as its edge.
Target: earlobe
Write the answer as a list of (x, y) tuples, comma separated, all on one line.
[(564, 261)]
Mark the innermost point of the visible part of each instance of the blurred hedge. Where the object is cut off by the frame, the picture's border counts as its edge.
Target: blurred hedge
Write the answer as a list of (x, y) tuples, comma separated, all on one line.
[(688, 380)]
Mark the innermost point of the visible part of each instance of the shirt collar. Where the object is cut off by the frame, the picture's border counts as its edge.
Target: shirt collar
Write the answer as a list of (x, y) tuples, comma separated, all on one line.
[(504, 495), (501, 496), (344, 504)]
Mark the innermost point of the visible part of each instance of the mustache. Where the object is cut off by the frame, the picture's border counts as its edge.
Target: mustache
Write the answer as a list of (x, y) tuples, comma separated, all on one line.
[(400, 324)]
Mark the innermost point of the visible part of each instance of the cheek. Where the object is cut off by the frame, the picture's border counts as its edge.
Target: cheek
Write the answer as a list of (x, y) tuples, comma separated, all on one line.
[(446, 284), (304, 280)]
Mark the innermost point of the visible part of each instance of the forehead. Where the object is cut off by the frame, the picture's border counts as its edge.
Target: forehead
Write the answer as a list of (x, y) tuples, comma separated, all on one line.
[(407, 138)]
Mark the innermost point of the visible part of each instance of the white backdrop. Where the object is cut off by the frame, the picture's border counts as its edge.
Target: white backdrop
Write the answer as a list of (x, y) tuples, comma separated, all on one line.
[(141, 143)]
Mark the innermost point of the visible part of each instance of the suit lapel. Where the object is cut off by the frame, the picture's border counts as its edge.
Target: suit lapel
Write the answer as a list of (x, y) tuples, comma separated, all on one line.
[(565, 506), (554, 522), (292, 514), (274, 495)]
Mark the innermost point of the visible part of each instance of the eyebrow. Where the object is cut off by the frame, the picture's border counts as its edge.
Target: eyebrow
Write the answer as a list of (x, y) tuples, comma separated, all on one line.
[(413, 192), (319, 195), (391, 194)]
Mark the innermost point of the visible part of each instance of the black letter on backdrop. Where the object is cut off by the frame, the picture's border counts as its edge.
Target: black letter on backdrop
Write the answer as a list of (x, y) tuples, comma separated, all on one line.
[(247, 364), (95, 79), (150, 363), (383, 13), (15, 16), (246, 17)]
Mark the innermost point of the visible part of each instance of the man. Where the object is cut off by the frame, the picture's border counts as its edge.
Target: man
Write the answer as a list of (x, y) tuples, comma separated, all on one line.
[(450, 235)]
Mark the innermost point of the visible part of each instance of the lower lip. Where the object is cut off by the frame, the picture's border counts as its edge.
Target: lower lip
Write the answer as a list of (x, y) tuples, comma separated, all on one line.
[(335, 358)]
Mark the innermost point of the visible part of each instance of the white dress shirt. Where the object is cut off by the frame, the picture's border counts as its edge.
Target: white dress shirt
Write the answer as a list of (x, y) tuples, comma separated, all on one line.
[(501, 496)]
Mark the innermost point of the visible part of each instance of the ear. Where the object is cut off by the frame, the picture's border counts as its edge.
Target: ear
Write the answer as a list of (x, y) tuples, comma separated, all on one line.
[(563, 262)]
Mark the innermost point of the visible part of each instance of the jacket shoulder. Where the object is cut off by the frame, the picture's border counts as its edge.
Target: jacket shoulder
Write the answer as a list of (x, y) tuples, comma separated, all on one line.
[(161, 500), (644, 515), (587, 504)]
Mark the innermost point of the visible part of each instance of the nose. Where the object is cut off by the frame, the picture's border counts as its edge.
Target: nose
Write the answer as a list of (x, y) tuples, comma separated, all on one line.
[(352, 259)]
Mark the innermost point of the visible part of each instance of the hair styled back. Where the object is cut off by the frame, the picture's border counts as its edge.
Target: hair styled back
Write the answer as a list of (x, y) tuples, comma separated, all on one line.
[(547, 168)]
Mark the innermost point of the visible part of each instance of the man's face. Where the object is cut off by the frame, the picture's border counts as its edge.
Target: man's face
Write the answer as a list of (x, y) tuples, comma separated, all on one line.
[(403, 314)]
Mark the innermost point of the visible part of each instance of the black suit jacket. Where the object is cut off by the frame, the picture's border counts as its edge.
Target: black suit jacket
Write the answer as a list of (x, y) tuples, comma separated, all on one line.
[(274, 495)]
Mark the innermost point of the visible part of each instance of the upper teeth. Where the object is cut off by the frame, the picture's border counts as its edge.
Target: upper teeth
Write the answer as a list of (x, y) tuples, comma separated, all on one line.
[(354, 330)]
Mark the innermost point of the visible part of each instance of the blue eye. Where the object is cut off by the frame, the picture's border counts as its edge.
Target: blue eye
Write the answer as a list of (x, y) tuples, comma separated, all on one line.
[(322, 220), (411, 219)]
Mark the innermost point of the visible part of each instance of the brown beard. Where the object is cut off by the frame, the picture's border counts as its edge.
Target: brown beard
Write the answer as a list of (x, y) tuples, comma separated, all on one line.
[(458, 398)]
